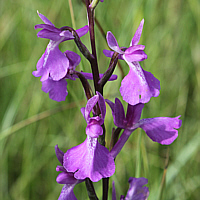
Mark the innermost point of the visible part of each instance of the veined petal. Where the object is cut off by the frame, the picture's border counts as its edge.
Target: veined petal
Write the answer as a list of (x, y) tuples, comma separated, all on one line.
[(139, 85), (89, 106), (82, 31), (94, 130), (57, 89), (112, 43), (138, 33), (89, 160), (48, 27), (44, 19), (133, 113), (161, 129), (135, 56), (67, 34), (44, 33), (74, 59), (102, 105), (109, 54), (113, 191), (59, 154), (67, 192), (136, 190), (119, 119), (90, 76), (132, 49), (56, 62)]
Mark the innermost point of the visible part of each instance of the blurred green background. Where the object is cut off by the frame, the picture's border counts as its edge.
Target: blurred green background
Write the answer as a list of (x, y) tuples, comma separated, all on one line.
[(31, 124)]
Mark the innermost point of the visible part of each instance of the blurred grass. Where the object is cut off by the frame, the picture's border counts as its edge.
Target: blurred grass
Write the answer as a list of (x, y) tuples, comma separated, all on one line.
[(31, 124)]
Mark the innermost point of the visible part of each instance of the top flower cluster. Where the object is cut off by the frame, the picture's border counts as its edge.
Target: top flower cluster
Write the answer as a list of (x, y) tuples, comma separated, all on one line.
[(138, 86)]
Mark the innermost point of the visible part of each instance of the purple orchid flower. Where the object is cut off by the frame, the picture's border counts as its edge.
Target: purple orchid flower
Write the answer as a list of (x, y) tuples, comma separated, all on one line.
[(90, 159), (139, 85), (66, 178), (58, 89), (94, 128), (136, 190), (159, 129), (53, 62)]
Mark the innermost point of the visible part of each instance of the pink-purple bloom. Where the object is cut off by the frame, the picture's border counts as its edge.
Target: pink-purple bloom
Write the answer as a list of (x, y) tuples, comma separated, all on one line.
[(66, 178), (159, 129), (139, 85), (90, 159), (53, 62), (58, 89), (136, 191)]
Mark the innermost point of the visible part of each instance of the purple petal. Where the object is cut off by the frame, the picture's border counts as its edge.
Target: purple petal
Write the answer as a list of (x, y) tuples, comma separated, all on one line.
[(138, 33), (90, 76), (82, 31), (109, 54), (44, 33), (112, 43), (112, 106), (113, 191), (138, 55), (134, 113), (66, 178), (44, 19), (136, 190), (48, 27), (57, 89), (94, 128), (89, 160), (41, 71), (89, 106), (161, 129), (67, 192), (102, 105), (52, 62), (74, 59), (57, 63), (117, 112), (132, 49), (139, 85), (119, 115), (60, 168), (67, 34), (59, 154)]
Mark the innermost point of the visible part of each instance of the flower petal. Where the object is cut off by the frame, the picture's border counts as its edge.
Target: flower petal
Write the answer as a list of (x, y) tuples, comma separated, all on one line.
[(139, 85), (102, 105), (112, 43), (44, 33), (94, 129), (138, 33), (90, 76), (89, 160), (74, 59), (67, 192), (89, 106), (67, 34), (161, 129), (44, 19), (138, 55), (133, 113), (113, 191), (136, 190), (57, 89), (59, 154), (66, 178), (82, 31)]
